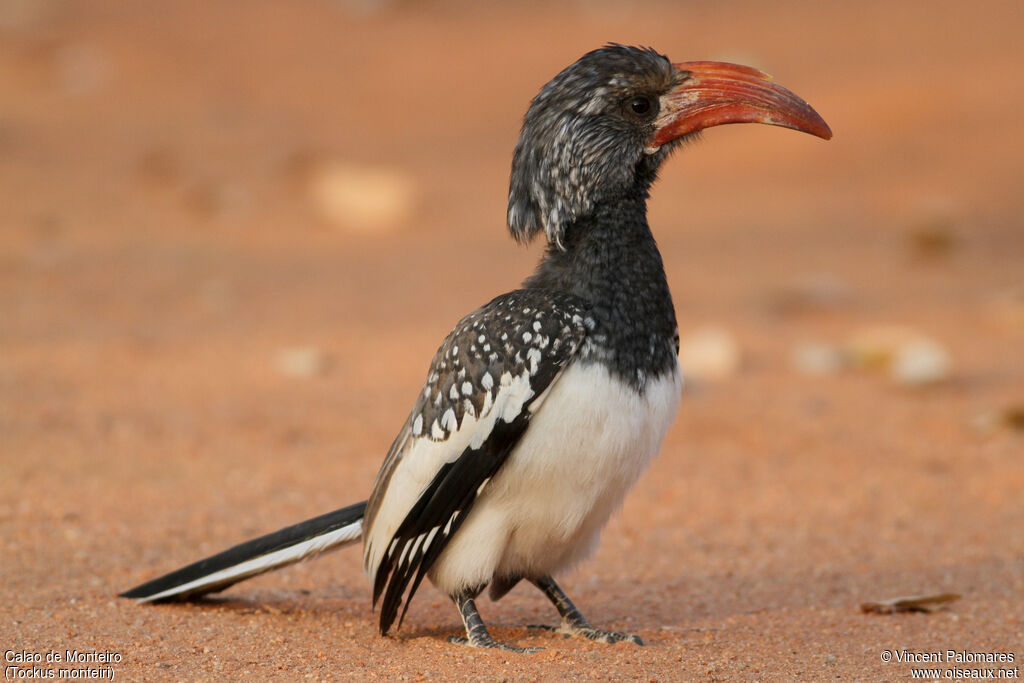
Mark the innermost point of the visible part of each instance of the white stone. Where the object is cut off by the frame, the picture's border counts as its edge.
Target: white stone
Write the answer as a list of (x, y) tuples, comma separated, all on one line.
[(302, 361), (709, 353), (363, 199), (922, 361)]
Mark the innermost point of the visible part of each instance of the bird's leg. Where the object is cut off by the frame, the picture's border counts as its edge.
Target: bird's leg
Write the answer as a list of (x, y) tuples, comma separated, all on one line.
[(477, 634), (574, 623)]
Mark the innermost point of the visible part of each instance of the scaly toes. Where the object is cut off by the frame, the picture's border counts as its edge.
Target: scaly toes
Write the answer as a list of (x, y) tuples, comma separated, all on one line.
[(609, 636), (492, 644), (599, 634)]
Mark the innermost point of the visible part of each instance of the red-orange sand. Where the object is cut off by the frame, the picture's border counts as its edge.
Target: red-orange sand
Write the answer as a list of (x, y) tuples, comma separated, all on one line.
[(160, 255)]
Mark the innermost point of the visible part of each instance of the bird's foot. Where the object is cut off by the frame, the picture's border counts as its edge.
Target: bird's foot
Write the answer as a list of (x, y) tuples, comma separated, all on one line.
[(489, 642), (585, 630), (477, 634)]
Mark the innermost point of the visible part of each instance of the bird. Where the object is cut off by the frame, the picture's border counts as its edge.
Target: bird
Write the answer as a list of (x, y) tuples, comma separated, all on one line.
[(541, 408)]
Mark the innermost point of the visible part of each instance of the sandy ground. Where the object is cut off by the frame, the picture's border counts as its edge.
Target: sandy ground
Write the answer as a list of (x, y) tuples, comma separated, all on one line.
[(200, 341)]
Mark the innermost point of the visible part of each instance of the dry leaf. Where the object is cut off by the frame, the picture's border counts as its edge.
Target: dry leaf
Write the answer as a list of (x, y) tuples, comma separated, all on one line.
[(916, 603)]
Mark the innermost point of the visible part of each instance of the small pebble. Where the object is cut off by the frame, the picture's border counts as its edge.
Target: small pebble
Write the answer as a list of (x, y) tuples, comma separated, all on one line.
[(875, 346), (1010, 418), (302, 361), (920, 362), (363, 199), (709, 353), (816, 358), (933, 239), (908, 356), (933, 235)]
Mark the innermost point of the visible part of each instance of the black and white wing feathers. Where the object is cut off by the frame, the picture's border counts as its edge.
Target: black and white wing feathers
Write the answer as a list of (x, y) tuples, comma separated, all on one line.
[(487, 379), (283, 547)]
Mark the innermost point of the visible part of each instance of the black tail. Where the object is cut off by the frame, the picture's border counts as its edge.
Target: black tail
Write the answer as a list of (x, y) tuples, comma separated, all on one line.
[(283, 547)]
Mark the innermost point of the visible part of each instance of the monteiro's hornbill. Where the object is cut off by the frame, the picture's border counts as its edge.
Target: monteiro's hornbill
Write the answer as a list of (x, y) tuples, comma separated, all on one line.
[(542, 407)]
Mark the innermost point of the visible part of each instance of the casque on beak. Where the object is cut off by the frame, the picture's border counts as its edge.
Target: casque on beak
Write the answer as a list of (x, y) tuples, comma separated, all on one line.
[(717, 93)]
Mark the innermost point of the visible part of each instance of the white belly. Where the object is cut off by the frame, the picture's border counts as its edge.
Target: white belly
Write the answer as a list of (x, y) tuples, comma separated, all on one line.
[(583, 450)]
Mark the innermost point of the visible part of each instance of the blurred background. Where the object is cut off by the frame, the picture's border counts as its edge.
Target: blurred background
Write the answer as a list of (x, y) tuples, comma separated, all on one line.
[(233, 233)]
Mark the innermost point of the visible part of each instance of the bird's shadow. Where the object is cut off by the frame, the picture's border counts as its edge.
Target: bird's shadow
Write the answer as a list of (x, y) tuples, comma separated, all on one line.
[(667, 603)]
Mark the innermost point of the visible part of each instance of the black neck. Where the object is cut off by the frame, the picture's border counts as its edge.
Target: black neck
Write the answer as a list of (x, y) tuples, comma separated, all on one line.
[(611, 262)]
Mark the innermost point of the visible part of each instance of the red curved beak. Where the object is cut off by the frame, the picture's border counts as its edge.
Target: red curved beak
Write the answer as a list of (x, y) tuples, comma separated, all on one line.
[(716, 93)]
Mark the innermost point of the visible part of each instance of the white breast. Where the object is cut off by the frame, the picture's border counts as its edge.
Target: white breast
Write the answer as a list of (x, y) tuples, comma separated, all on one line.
[(586, 446)]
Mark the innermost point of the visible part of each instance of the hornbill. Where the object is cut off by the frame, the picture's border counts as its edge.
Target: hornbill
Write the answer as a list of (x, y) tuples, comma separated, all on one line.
[(541, 408)]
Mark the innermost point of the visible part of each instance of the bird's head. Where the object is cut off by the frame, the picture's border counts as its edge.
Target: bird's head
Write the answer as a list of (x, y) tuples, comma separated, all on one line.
[(600, 129)]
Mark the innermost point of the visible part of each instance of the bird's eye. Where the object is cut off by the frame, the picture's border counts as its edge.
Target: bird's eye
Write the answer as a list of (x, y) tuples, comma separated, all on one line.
[(641, 105)]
